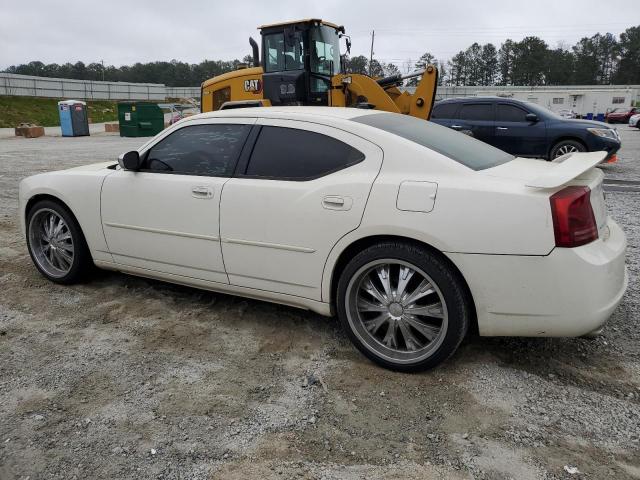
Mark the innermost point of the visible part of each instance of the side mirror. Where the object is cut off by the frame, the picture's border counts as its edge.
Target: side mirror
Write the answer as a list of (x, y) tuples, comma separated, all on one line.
[(531, 117), (130, 160)]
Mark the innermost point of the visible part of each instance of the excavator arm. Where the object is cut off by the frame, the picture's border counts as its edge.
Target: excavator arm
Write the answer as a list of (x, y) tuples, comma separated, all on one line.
[(356, 90)]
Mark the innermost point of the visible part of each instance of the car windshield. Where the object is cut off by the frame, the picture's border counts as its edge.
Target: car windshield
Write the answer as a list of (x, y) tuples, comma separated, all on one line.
[(457, 146), (541, 111), (325, 50)]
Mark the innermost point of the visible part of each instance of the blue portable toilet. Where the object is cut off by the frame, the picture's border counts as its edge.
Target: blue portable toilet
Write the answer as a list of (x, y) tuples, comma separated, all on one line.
[(589, 116), (74, 120)]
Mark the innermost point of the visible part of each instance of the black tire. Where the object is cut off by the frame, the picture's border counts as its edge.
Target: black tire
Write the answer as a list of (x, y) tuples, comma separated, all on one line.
[(455, 305), (558, 148), (81, 259)]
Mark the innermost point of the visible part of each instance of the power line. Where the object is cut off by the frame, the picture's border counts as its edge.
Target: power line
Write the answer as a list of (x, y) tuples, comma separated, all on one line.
[(508, 28)]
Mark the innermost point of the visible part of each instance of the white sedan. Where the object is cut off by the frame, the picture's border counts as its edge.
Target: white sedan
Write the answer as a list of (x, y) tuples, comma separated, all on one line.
[(411, 233), (634, 120)]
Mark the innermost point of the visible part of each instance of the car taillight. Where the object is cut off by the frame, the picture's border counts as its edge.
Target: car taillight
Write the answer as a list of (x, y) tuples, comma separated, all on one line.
[(574, 223)]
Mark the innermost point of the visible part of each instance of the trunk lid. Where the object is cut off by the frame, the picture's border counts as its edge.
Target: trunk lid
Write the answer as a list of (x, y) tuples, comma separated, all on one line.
[(550, 177)]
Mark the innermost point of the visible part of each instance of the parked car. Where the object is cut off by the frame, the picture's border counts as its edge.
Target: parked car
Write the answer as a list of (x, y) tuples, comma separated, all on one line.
[(634, 120), (182, 113), (568, 114), (524, 129), (620, 115), (410, 232)]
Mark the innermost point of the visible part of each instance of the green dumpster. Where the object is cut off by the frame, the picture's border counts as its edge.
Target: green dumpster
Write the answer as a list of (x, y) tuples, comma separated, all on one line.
[(140, 119)]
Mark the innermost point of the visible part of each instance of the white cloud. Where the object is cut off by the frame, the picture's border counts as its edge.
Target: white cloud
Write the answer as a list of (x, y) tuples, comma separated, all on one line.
[(125, 32)]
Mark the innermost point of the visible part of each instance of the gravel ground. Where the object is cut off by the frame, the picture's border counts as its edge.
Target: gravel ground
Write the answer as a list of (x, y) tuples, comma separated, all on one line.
[(131, 378)]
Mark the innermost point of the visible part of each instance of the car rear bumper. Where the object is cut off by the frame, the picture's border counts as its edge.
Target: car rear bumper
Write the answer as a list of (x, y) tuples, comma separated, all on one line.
[(568, 293)]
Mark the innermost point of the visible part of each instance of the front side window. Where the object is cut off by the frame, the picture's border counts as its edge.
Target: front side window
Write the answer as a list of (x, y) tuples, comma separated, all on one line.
[(457, 146), (477, 111), (510, 113), (281, 55), (325, 50), (293, 154), (199, 150)]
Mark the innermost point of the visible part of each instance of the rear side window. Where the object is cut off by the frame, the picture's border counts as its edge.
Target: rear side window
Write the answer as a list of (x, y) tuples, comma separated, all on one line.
[(510, 113), (476, 111), (292, 154), (199, 150), (457, 146), (445, 110)]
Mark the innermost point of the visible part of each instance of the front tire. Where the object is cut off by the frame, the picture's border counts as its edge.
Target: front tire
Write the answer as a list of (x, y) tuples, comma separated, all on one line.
[(402, 306), (566, 146), (56, 243)]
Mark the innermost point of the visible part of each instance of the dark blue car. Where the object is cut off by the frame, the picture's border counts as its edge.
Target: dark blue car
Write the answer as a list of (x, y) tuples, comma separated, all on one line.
[(524, 129)]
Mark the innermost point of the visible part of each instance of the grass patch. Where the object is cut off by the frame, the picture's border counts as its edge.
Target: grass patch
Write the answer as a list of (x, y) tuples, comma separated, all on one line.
[(44, 111)]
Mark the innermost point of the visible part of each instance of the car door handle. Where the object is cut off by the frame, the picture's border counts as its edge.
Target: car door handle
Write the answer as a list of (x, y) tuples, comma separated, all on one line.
[(502, 128), (201, 191), (336, 202), (456, 127)]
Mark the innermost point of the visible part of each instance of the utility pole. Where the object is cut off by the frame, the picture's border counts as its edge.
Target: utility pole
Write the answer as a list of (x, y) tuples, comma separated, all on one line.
[(102, 61), (373, 36)]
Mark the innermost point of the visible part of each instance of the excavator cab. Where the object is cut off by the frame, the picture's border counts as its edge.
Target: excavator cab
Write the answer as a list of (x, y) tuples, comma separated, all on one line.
[(299, 60)]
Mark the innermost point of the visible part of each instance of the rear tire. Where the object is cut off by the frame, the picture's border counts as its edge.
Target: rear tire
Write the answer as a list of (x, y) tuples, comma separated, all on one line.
[(403, 306), (566, 146), (56, 243)]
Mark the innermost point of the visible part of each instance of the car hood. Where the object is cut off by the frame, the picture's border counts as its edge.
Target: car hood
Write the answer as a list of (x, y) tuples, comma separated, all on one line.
[(585, 123), (92, 167)]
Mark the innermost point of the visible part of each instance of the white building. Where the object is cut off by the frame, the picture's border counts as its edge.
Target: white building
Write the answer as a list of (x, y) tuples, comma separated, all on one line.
[(584, 100)]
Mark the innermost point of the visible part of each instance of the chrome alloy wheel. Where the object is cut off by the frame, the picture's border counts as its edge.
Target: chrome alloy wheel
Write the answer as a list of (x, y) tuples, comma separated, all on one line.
[(51, 242), (564, 149), (397, 310)]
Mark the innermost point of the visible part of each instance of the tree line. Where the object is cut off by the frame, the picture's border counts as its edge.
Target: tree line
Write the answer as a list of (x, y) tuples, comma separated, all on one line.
[(172, 74), (601, 59)]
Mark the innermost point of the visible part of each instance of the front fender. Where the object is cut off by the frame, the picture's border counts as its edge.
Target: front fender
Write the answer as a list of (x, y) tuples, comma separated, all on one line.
[(80, 192)]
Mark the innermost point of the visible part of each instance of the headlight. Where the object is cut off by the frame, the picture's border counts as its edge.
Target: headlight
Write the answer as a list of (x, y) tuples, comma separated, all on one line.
[(604, 132)]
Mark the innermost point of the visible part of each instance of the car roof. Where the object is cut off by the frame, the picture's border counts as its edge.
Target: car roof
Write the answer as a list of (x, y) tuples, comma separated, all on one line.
[(305, 20), (479, 99), (300, 113)]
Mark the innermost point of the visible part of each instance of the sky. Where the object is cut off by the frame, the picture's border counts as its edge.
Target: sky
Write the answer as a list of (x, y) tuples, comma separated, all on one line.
[(124, 32)]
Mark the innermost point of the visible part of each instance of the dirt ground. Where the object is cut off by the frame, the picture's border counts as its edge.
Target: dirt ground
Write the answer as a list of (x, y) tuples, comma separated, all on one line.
[(124, 377)]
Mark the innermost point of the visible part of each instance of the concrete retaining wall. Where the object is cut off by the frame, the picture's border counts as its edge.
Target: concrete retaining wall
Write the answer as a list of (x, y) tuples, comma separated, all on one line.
[(25, 85)]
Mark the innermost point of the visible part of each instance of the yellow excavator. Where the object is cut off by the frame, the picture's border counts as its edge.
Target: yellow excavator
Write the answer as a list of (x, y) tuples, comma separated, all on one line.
[(301, 65)]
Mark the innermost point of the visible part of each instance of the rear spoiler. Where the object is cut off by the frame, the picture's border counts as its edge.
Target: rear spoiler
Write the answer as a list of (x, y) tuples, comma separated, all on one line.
[(564, 169)]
